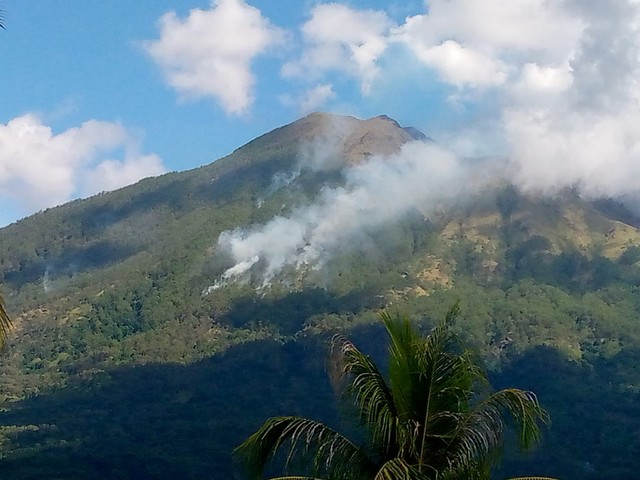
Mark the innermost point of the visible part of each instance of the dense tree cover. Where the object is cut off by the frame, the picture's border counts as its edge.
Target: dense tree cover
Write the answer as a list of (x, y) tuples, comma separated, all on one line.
[(118, 423), (594, 428), (135, 322)]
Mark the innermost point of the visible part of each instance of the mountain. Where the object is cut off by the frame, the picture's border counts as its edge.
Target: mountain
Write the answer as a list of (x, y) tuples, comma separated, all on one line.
[(157, 325)]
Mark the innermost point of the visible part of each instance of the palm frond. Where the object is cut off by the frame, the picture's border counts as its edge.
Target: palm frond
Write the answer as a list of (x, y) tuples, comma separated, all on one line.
[(524, 409), (331, 453), (371, 394), (418, 363), (5, 322), (398, 468), (481, 434), (404, 364), (452, 313), (446, 401)]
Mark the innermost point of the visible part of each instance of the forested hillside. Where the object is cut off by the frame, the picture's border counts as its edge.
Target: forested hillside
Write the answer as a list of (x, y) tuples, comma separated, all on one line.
[(145, 347)]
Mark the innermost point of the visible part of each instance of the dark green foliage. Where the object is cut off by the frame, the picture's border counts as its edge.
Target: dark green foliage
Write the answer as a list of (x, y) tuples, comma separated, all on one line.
[(290, 312), (604, 407), (118, 424), (630, 256), (528, 259), (116, 317), (507, 202), (571, 270)]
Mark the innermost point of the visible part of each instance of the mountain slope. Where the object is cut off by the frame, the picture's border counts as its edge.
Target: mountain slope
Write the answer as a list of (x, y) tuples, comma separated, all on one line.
[(126, 291), (134, 262)]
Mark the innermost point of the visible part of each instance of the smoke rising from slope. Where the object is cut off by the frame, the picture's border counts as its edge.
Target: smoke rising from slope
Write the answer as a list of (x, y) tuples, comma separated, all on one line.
[(421, 175)]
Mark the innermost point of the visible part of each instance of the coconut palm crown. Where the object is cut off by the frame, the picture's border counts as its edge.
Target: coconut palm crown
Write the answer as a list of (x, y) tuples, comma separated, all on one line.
[(434, 418)]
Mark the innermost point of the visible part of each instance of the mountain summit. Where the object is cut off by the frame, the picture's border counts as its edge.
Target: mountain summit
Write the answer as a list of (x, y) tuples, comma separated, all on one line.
[(348, 136)]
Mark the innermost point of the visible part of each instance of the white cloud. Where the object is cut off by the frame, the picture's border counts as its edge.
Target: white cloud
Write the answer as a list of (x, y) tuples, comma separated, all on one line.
[(40, 169), (493, 26), (113, 174), (316, 97), (583, 131), (581, 151), (462, 66), (470, 44), (478, 44), (342, 39), (209, 53), (544, 80), (559, 79), (312, 99)]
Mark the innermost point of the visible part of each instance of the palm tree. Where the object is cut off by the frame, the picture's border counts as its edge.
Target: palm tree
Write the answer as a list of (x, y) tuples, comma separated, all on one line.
[(434, 418)]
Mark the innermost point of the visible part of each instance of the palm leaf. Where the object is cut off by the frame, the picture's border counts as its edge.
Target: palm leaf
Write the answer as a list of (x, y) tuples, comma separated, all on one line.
[(446, 401), (371, 394), (423, 424), (481, 433), (398, 468), (404, 367), (331, 453)]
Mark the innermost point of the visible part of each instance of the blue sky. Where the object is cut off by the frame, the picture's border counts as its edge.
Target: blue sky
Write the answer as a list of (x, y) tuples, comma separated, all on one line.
[(95, 95)]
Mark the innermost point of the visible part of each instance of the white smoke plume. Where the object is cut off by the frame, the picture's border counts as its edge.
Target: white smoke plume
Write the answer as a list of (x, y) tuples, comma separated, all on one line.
[(279, 181), (421, 175), (324, 153)]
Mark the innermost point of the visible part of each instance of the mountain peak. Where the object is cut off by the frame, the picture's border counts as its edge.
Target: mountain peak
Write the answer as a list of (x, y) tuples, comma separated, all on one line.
[(354, 138)]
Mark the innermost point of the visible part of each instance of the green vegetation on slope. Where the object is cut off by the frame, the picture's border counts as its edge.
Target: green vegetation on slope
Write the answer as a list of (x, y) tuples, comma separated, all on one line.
[(110, 303)]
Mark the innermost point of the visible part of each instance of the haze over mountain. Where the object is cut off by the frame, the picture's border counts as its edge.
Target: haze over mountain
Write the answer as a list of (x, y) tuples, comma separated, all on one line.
[(172, 304)]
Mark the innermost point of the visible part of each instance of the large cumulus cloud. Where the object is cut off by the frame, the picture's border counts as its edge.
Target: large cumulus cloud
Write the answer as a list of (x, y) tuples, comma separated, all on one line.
[(40, 168)]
